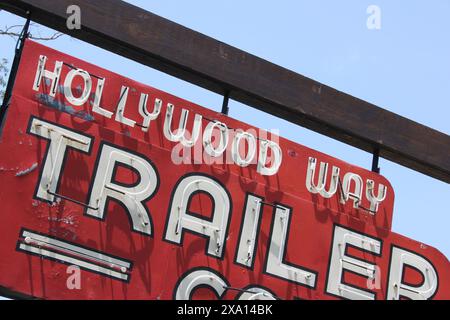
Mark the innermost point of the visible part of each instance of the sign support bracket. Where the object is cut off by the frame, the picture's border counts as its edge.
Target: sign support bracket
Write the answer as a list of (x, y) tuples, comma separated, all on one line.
[(375, 160), (226, 98)]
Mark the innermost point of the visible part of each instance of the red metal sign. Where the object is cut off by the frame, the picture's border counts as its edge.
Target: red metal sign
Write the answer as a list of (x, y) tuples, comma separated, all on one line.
[(115, 190)]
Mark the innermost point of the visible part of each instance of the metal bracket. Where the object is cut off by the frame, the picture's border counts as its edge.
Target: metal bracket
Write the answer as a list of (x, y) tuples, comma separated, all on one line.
[(271, 205), (359, 200), (71, 200), (375, 160), (226, 98), (248, 291), (73, 67)]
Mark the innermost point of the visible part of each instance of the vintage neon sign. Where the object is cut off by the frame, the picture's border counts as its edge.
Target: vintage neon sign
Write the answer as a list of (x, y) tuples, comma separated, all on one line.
[(180, 136), (98, 189)]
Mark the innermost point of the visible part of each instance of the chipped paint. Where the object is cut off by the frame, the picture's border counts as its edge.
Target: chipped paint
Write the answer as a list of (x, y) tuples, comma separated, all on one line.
[(60, 106), (70, 220), (27, 171)]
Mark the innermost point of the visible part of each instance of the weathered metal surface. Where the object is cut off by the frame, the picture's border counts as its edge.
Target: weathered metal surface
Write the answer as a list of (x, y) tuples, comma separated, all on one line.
[(155, 229)]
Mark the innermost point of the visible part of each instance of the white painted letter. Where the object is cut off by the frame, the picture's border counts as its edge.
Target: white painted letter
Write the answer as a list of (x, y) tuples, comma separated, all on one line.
[(249, 232), (396, 288), (357, 194), (235, 151), (144, 112), (68, 87), (277, 248), (54, 76), (60, 139), (179, 217), (320, 187), (132, 197), (180, 135), (223, 138), (98, 96), (276, 158), (120, 117), (370, 195), (200, 278), (339, 262)]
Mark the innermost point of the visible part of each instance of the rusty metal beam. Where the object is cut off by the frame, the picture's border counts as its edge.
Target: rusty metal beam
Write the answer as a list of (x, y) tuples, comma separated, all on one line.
[(164, 45)]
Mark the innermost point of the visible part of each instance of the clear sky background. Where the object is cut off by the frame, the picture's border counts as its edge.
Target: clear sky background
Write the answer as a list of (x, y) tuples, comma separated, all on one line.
[(403, 67)]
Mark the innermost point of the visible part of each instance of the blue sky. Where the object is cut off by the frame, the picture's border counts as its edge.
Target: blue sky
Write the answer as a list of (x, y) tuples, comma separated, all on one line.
[(403, 67)]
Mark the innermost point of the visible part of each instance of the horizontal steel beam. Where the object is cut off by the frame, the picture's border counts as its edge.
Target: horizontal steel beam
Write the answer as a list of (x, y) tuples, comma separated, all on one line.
[(167, 46)]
